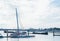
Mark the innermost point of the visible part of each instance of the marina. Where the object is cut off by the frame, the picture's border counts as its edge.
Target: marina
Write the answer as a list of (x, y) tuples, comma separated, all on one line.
[(29, 20), (27, 33)]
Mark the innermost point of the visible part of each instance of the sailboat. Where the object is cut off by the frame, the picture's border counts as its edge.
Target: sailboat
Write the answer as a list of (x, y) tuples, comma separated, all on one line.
[(20, 34)]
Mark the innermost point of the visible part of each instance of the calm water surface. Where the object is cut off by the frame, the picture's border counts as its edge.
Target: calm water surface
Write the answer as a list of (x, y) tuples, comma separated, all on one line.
[(48, 37)]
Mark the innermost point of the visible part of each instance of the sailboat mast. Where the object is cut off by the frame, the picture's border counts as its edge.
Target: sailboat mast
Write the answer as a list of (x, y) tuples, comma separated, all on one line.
[(17, 20)]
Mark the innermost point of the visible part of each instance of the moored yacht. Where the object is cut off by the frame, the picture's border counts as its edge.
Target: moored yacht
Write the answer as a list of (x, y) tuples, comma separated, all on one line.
[(18, 34)]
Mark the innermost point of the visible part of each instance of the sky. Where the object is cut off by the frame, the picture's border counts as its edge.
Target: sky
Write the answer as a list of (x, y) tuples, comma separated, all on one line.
[(31, 13)]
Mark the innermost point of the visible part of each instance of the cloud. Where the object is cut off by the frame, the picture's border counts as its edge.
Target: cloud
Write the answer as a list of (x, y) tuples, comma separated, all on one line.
[(53, 17), (55, 3), (7, 15), (32, 13)]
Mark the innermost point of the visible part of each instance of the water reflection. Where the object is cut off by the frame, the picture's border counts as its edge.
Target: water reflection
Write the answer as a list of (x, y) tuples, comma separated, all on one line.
[(7, 39), (14, 39)]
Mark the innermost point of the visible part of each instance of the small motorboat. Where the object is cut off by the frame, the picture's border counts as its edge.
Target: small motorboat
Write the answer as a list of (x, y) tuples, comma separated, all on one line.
[(43, 33), (1, 36)]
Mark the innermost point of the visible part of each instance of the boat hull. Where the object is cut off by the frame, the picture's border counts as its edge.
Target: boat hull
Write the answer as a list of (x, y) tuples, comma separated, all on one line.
[(21, 36), (43, 33), (1, 36)]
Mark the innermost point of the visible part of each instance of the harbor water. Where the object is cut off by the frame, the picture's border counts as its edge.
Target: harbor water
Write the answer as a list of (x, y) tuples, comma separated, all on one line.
[(39, 37)]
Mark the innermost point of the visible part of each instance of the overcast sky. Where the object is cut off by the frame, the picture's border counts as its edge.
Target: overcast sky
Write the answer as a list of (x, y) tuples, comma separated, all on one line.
[(31, 13)]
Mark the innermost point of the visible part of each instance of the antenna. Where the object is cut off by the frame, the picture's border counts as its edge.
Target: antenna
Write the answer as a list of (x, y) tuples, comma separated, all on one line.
[(17, 20)]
